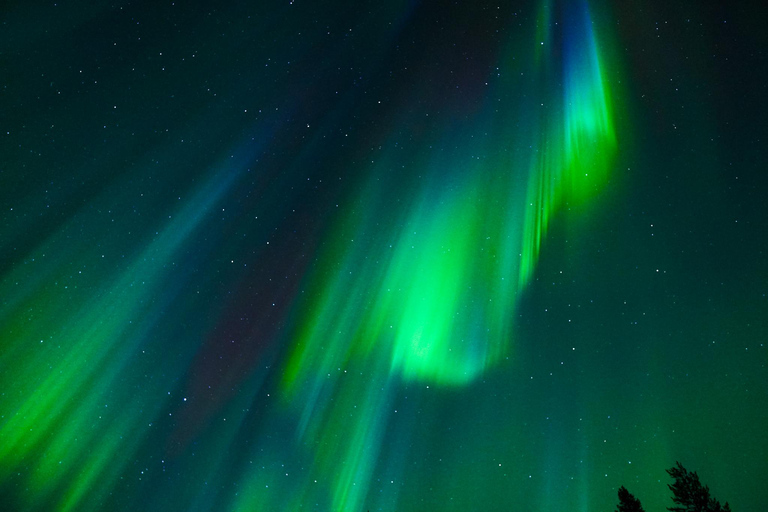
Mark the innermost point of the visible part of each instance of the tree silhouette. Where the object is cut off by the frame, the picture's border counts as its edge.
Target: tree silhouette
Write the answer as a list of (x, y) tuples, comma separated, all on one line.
[(627, 502), (690, 495)]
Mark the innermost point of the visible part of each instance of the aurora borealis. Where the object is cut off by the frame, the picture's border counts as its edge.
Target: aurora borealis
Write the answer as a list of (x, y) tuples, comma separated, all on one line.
[(391, 256)]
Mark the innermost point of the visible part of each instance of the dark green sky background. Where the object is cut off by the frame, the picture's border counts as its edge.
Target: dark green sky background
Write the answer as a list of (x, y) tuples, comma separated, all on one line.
[(262, 256)]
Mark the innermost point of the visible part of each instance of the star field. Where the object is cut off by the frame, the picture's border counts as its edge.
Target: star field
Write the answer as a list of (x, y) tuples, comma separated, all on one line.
[(381, 256)]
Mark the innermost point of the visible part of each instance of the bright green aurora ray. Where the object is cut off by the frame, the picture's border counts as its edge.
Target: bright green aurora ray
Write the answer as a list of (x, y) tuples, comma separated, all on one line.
[(48, 422), (413, 289), (432, 292), (438, 296), (388, 256)]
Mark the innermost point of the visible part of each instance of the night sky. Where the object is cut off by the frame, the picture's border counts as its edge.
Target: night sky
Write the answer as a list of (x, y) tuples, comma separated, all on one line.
[(381, 255)]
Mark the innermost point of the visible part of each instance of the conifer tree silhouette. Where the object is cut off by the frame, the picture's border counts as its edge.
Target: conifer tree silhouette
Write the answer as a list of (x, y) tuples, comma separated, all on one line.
[(627, 502), (690, 495)]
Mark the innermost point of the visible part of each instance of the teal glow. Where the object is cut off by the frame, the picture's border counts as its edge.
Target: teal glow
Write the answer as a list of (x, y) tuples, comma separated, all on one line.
[(298, 256), (434, 290)]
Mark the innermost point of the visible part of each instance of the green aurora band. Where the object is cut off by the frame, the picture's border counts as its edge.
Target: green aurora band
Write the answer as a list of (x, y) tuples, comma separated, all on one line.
[(85, 355), (430, 296), (437, 299), (423, 297)]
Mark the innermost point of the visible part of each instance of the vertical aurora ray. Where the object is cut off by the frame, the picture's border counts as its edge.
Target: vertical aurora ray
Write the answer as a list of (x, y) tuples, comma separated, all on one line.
[(432, 288), (411, 256), (370, 316), (449, 251), (577, 146), (60, 415)]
